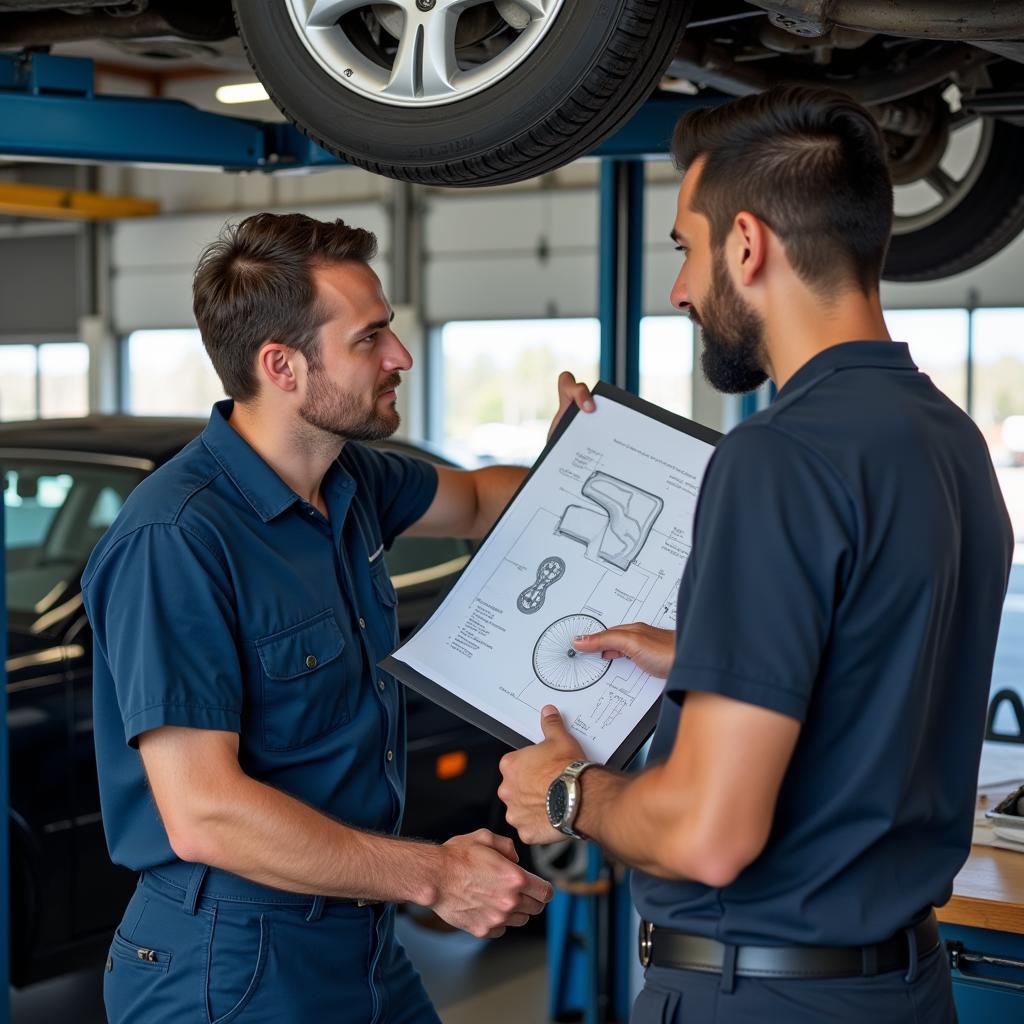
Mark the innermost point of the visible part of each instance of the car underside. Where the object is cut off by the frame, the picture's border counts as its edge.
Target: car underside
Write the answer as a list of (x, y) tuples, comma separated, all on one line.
[(494, 91)]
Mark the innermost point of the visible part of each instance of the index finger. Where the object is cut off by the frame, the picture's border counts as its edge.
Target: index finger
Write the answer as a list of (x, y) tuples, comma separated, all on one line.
[(602, 636)]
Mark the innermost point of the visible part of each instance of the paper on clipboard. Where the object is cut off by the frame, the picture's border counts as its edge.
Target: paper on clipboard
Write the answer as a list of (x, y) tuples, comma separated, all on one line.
[(597, 536)]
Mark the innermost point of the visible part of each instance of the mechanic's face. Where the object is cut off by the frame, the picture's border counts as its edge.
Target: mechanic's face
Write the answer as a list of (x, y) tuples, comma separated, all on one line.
[(732, 332), (350, 390)]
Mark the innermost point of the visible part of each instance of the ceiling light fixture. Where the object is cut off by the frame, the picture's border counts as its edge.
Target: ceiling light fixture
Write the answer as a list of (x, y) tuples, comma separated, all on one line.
[(244, 92)]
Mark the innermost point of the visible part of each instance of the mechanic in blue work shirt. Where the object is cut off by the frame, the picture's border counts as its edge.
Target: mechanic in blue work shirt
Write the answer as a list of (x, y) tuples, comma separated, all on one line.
[(811, 784), (251, 755)]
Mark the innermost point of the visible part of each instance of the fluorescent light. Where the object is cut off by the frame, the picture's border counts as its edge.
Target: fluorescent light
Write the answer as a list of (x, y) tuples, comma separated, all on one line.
[(244, 92)]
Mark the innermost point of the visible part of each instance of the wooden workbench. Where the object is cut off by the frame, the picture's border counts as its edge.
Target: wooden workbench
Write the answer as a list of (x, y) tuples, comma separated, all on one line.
[(988, 892)]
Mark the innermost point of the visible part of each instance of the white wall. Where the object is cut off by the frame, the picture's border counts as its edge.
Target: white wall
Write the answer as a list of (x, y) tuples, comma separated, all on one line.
[(153, 260)]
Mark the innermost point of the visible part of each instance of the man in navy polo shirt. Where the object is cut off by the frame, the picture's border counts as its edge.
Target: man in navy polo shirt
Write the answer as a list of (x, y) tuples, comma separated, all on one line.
[(811, 784), (251, 756)]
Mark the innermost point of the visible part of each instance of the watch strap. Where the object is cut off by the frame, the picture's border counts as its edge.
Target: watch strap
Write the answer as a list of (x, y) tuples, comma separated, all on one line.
[(571, 776)]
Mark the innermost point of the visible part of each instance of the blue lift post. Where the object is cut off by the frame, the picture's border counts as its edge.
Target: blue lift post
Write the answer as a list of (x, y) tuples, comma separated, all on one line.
[(621, 271)]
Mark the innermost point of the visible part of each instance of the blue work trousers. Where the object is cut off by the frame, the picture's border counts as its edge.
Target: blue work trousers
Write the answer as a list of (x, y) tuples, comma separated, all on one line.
[(181, 956), (692, 997)]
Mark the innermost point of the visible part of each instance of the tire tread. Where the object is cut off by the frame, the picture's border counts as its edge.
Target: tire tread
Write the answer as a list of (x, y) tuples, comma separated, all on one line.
[(646, 36)]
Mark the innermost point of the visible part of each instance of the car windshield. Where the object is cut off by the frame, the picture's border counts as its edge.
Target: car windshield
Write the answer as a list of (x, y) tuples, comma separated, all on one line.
[(55, 511)]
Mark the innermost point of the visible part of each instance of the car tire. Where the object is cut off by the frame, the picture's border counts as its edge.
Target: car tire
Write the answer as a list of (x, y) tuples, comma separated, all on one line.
[(988, 217), (594, 66)]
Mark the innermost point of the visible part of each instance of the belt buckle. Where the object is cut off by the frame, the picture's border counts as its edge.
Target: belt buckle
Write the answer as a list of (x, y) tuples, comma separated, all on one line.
[(646, 942)]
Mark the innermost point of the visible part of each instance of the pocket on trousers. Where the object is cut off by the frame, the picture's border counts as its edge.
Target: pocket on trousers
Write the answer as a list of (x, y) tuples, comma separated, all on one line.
[(142, 957), (654, 1006), (135, 987), (239, 944)]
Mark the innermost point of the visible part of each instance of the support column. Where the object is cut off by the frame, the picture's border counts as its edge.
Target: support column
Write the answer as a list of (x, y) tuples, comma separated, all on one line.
[(621, 271), (406, 293)]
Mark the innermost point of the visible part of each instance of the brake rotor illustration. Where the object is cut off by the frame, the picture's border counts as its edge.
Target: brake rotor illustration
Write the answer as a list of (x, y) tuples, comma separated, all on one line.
[(558, 664)]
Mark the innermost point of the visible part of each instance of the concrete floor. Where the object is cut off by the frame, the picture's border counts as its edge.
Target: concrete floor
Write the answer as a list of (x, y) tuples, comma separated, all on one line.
[(469, 980)]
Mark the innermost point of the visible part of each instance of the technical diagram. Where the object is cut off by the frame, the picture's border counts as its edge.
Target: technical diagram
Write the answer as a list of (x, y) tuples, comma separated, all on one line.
[(616, 534), (597, 537), (549, 572), (558, 664)]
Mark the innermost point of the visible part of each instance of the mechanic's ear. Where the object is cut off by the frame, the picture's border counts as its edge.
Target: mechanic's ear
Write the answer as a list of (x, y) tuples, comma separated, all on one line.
[(751, 245), (276, 364)]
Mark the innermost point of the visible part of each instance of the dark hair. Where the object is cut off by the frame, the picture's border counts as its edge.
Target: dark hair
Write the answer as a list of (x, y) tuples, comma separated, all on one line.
[(255, 284), (808, 162)]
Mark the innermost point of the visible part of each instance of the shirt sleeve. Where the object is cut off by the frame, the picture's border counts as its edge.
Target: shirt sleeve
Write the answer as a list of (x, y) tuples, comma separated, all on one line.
[(403, 488), (162, 610), (773, 546)]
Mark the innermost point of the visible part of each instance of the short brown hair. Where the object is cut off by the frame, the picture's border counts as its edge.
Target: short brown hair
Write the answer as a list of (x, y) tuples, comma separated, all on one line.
[(255, 283), (808, 162)]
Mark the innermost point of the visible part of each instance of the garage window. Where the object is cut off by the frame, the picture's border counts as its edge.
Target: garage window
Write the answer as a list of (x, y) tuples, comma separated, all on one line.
[(666, 362), (494, 385), (64, 379), (998, 366), (938, 340), (18, 367), (44, 380), (168, 373)]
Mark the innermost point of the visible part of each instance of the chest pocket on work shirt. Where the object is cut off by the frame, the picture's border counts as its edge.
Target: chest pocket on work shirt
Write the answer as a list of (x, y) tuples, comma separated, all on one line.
[(305, 693)]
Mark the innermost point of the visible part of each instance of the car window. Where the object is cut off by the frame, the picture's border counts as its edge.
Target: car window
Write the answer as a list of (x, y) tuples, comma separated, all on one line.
[(55, 514), (31, 501)]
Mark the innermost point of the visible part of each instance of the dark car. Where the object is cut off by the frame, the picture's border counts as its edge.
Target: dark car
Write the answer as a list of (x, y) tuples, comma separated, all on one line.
[(486, 92), (64, 482)]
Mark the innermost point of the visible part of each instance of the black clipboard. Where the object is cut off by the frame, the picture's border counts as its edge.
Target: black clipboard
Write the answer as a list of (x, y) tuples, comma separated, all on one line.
[(439, 694)]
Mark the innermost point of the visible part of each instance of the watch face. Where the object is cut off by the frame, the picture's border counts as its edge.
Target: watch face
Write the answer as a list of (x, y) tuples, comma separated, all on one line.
[(558, 801)]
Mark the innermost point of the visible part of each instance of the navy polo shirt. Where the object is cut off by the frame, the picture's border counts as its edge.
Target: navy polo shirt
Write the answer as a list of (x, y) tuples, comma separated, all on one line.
[(850, 559), (220, 599)]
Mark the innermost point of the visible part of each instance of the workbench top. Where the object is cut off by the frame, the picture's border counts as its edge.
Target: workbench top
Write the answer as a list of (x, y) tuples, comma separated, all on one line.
[(988, 892)]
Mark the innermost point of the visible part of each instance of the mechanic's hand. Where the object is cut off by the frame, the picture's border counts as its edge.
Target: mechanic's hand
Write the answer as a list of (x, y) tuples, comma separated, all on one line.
[(652, 649), (569, 391), (483, 890), (527, 773)]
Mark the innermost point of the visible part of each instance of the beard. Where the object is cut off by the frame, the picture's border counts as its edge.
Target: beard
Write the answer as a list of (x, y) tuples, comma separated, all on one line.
[(340, 413), (733, 358)]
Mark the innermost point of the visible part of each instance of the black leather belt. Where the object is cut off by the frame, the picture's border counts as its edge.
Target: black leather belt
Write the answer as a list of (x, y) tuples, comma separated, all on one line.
[(664, 947)]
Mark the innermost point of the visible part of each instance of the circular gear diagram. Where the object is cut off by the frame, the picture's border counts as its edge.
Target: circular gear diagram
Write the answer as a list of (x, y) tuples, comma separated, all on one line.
[(558, 664)]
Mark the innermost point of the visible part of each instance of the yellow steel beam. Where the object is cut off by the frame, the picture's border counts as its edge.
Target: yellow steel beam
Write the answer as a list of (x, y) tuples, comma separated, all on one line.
[(18, 199)]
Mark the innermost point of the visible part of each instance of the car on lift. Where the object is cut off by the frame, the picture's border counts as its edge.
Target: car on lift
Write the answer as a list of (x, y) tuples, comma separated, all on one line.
[(486, 92), (64, 482)]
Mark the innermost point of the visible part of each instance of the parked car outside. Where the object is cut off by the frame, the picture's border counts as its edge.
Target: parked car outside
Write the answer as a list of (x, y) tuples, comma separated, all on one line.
[(64, 482)]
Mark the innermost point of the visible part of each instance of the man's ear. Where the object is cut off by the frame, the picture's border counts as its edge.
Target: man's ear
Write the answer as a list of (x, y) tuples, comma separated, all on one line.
[(749, 243), (276, 364)]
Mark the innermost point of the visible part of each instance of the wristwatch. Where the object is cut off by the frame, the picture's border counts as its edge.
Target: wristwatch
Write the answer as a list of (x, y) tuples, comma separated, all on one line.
[(563, 800)]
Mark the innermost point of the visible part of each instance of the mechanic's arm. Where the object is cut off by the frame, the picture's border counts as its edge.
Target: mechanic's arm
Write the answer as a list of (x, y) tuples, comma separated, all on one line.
[(704, 814), (468, 503), (215, 814)]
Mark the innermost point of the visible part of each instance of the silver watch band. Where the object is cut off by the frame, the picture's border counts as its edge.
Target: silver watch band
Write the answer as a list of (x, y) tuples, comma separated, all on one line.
[(571, 776)]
